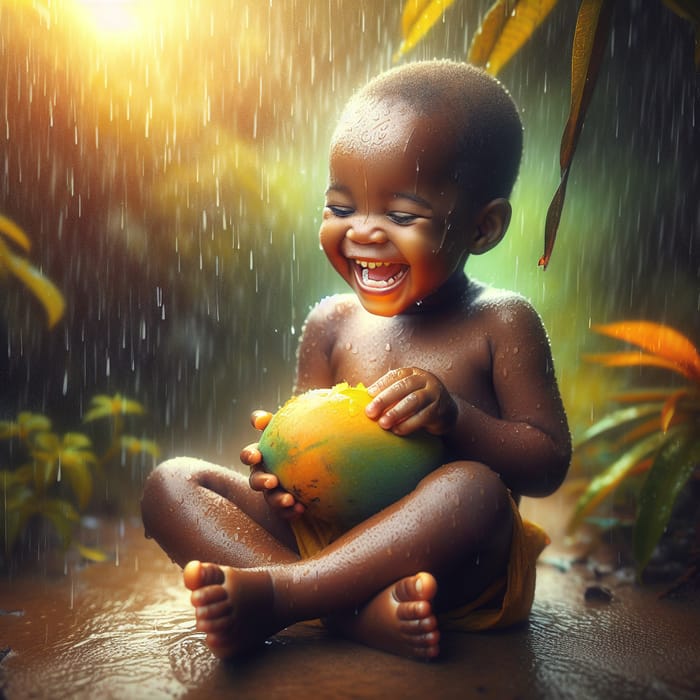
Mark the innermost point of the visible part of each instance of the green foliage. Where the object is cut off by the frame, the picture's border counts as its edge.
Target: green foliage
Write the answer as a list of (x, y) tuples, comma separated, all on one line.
[(656, 434), (509, 25), (51, 476)]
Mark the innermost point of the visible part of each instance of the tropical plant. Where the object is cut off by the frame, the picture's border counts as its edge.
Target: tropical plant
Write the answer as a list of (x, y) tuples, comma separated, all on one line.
[(655, 432), (506, 27), (34, 487), (41, 287)]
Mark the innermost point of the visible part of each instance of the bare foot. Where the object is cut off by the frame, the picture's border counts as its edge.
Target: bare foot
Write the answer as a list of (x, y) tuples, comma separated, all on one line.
[(233, 607), (400, 619)]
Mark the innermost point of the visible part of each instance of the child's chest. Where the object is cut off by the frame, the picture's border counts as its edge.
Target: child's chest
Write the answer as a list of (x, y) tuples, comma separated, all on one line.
[(457, 353)]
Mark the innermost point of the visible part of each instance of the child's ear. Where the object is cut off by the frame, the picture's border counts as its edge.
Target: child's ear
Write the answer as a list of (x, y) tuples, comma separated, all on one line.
[(491, 224)]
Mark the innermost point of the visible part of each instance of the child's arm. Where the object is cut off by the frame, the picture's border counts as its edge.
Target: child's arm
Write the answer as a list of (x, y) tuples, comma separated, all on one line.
[(528, 443)]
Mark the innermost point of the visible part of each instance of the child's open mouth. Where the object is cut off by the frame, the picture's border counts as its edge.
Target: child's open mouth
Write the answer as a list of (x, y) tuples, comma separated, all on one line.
[(379, 276)]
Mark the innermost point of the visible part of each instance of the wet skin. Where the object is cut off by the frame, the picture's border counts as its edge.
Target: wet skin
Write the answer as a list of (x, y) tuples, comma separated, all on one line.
[(439, 352)]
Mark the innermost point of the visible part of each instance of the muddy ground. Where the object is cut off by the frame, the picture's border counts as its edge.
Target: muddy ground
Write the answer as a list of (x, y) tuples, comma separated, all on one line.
[(123, 629)]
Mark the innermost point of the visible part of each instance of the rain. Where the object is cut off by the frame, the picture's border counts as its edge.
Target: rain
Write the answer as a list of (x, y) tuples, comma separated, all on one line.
[(167, 162)]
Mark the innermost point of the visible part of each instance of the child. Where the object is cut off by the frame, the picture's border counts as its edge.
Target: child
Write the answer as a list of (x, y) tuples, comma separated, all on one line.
[(421, 165)]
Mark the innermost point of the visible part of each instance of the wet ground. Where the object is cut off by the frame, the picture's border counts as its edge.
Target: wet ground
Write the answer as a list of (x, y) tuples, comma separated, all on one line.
[(123, 629)]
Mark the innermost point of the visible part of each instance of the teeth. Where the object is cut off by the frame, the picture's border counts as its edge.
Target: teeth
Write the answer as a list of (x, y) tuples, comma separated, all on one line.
[(370, 264)]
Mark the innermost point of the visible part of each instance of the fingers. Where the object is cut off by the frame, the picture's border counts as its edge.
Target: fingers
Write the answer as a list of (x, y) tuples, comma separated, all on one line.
[(259, 419)]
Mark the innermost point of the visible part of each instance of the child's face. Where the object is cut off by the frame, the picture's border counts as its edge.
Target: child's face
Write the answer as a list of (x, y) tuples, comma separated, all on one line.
[(389, 203)]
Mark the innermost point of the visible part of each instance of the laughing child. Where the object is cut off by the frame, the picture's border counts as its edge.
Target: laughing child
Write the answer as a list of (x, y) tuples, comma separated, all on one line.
[(421, 166)]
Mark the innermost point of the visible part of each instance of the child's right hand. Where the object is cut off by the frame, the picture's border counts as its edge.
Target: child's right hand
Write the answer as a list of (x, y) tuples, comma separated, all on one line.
[(278, 500)]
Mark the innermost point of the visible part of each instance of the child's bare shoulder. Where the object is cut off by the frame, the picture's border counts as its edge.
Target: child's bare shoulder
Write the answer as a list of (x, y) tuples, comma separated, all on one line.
[(505, 313), (326, 315)]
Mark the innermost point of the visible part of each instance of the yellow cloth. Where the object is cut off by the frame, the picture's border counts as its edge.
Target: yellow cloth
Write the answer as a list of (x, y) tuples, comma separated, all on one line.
[(508, 600), (505, 602)]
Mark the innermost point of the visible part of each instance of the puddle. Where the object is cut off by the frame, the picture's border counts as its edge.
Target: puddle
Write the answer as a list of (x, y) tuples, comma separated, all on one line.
[(126, 631)]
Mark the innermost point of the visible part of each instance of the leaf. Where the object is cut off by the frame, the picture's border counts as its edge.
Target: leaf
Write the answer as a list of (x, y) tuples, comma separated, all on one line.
[(590, 38), (633, 359), (412, 9), (10, 230), (422, 22), (135, 446), (91, 553), (643, 395), (104, 406), (42, 288), (673, 466), (62, 515), (507, 26), (78, 475), (658, 339), (610, 479), (669, 408), (616, 419)]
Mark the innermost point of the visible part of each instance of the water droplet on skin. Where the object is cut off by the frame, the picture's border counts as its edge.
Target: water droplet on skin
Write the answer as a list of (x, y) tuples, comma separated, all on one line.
[(387, 347), (516, 350), (348, 346)]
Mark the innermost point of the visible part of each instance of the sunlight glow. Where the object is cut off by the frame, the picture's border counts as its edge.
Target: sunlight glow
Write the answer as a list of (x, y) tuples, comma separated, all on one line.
[(112, 16)]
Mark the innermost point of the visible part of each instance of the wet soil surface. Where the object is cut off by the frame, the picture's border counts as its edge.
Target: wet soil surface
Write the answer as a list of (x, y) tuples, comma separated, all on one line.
[(124, 629)]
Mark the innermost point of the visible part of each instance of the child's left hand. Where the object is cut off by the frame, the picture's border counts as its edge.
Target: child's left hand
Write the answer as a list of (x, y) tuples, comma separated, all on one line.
[(408, 399)]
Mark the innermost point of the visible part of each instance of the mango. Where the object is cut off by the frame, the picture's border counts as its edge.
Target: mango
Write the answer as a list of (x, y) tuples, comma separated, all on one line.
[(342, 465)]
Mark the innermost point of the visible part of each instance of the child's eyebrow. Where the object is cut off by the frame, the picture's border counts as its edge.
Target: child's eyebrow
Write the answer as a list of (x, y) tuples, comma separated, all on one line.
[(414, 198)]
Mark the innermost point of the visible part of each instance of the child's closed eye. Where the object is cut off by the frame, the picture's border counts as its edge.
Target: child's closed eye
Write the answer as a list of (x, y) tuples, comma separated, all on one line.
[(402, 218), (338, 210)]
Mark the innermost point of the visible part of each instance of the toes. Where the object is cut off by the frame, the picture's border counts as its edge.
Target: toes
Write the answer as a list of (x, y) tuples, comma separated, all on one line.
[(197, 574), (422, 586)]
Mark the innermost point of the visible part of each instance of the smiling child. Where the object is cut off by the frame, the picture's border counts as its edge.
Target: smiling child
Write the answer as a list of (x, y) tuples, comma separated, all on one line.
[(421, 167)]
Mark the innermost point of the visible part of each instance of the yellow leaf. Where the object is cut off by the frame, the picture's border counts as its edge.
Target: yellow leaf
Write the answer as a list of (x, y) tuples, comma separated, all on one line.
[(42, 288), (412, 9), (507, 26), (423, 22), (91, 553), (659, 339), (590, 38), (633, 359), (10, 229)]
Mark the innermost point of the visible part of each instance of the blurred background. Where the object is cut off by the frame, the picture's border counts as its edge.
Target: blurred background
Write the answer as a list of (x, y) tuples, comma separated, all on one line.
[(168, 162)]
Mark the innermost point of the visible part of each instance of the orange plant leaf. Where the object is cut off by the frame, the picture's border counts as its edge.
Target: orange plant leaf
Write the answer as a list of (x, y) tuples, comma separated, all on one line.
[(659, 339), (590, 38), (633, 359), (507, 26)]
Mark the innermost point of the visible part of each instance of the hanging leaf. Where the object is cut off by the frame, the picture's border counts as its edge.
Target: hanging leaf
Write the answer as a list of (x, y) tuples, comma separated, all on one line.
[(412, 9), (10, 230), (507, 26), (673, 466), (610, 479), (590, 38), (418, 20), (659, 339), (41, 287)]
